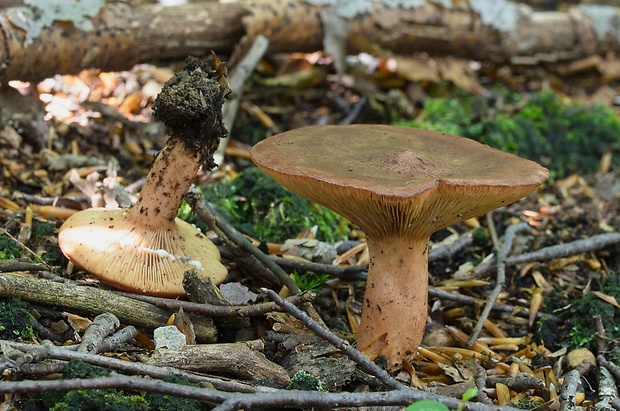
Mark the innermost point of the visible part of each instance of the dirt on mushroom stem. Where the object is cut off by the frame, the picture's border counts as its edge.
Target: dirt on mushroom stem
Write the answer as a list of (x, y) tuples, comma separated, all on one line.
[(190, 106)]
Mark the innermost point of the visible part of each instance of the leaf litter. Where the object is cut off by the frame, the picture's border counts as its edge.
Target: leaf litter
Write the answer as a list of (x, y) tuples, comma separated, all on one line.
[(101, 128)]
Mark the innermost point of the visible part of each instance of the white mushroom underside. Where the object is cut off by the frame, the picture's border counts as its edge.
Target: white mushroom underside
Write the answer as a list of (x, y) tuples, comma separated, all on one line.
[(129, 256)]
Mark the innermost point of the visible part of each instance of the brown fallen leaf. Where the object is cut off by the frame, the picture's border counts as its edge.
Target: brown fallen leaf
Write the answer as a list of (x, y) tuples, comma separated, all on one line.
[(607, 298)]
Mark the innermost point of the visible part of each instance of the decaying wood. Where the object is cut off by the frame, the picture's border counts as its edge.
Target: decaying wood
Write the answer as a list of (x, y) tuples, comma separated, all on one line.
[(243, 359), (49, 351), (100, 328), (123, 36), (94, 301)]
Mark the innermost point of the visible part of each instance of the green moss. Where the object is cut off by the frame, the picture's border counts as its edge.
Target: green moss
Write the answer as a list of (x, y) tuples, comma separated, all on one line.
[(8, 248), (310, 281), (305, 381), (43, 229), (162, 402), (259, 207), (101, 400), (583, 309), (113, 400), (75, 369), (52, 254), (565, 138), (15, 320), (527, 403)]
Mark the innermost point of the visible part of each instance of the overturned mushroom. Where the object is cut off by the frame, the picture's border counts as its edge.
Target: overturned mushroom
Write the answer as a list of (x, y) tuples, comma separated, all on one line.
[(146, 248), (399, 185)]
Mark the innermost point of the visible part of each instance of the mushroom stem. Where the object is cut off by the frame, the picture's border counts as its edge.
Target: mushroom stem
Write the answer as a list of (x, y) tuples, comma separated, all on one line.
[(169, 179), (395, 301)]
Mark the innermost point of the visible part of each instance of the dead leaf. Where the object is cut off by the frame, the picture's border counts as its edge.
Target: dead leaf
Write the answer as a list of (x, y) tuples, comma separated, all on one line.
[(607, 298)]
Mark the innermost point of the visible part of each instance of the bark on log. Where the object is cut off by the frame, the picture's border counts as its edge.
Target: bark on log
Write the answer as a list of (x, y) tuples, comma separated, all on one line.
[(244, 359), (123, 36), (94, 301)]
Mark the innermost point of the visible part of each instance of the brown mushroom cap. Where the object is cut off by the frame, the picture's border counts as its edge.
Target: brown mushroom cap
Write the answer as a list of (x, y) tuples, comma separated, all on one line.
[(399, 185), (135, 257), (396, 179)]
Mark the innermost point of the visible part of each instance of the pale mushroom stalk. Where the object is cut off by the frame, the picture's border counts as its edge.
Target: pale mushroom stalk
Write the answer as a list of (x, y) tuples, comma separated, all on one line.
[(146, 248), (395, 305), (399, 185), (168, 180)]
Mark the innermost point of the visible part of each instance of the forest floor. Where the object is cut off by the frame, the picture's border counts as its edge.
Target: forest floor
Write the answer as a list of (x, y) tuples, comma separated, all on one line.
[(69, 142)]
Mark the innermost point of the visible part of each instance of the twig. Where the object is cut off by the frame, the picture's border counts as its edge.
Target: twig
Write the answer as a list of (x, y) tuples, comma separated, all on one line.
[(155, 371), (94, 301), (593, 243), (466, 299), (359, 272), (355, 355), (353, 272), (612, 367), (500, 280), (19, 265), (235, 401), (25, 248), (601, 334), (122, 336), (572, 379), (255, 310), (450, 250), (237, 79), (101, 327), (481, 379), (607, 389), (492, 231), (44, 332), (233, 238), (355, 111)]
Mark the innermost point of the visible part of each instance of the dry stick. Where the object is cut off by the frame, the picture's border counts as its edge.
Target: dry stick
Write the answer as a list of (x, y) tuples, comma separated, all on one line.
[(352, 272), (569, 390), (122, 336), (466, 299), (359, 358), (118, 382), (19, 265), (255, 310), (593, 243), (237, 78), (155, 371), (25, 248), (358, 272), (93, 301), (100, 328), (601, 334), (235, 401), (500, 280), (607, 389), (249, 254), (481, 380), (612, 367)]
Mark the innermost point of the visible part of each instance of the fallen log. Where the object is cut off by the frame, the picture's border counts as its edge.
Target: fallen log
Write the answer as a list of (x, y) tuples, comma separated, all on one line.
[(36, 43)]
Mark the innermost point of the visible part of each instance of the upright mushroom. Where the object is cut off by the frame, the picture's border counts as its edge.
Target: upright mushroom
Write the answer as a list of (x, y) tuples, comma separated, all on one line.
[(146, 248), (399, 185)]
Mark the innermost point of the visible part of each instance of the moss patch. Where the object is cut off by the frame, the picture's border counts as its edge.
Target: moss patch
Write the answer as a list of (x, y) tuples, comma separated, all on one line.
[(259, 207), (565, 138)]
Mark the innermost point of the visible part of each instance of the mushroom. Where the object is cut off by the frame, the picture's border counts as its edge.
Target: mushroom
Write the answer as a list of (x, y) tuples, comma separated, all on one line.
[(399, 185), (146, 248)]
